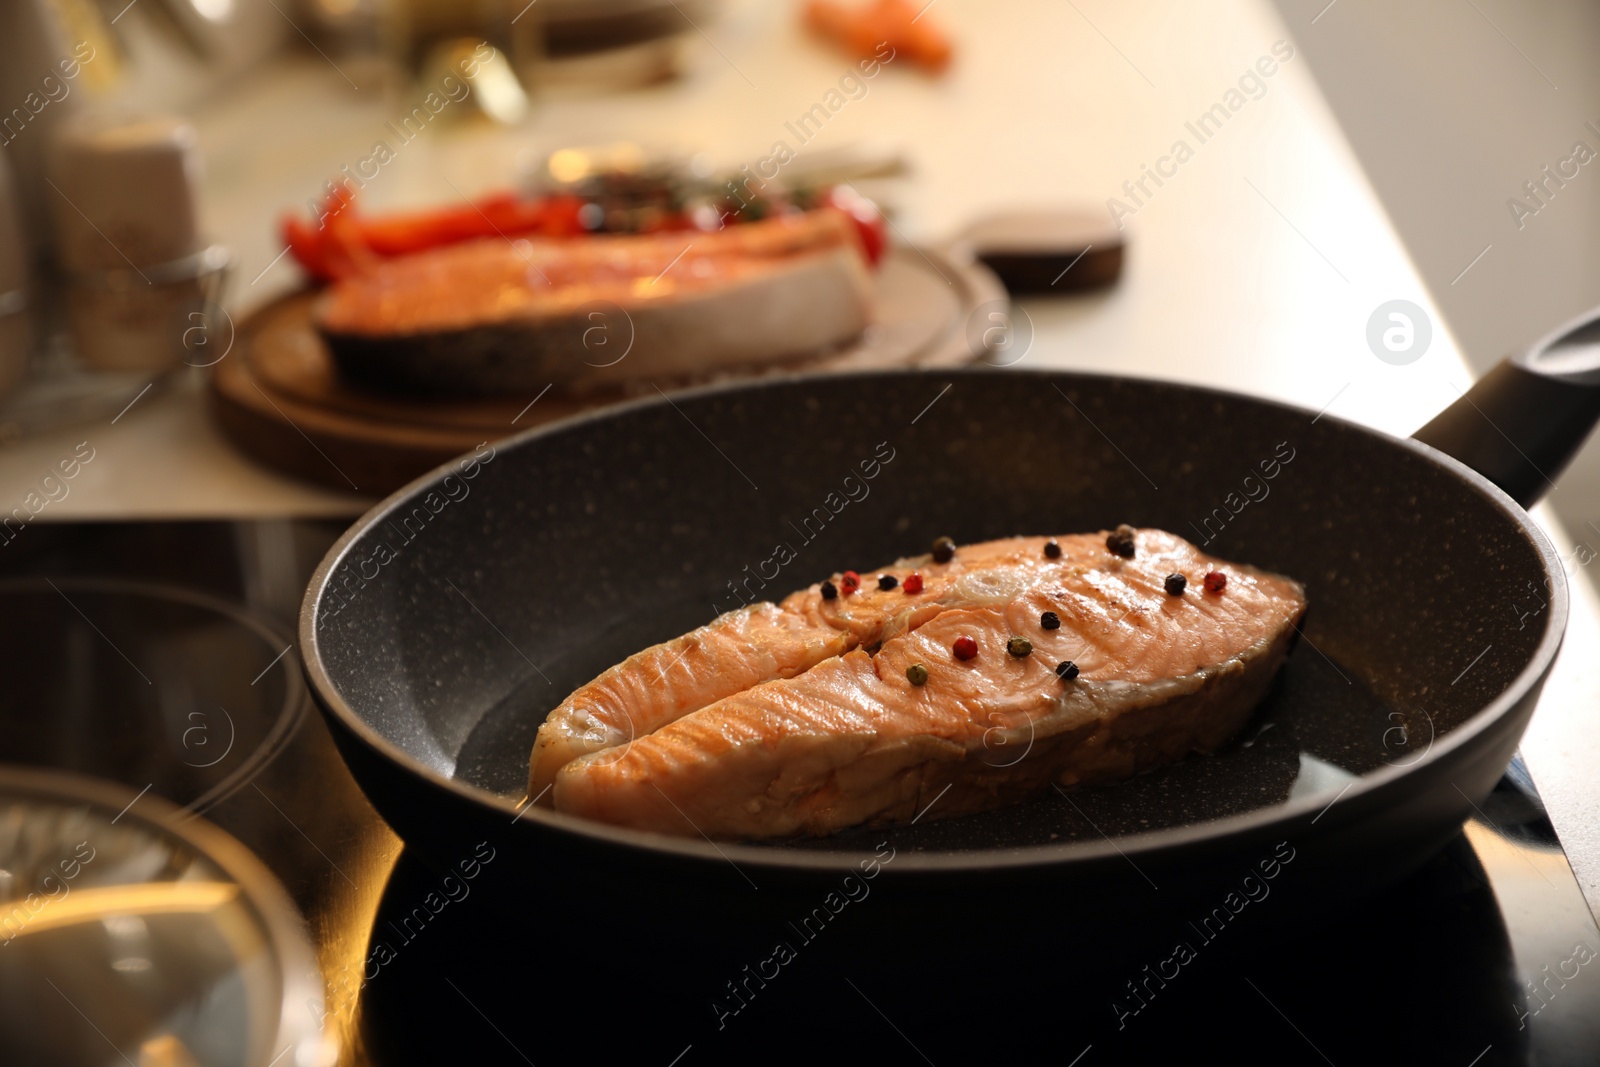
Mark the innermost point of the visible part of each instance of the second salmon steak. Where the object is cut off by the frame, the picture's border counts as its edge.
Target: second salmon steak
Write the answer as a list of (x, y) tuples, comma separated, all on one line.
[(942, 685)]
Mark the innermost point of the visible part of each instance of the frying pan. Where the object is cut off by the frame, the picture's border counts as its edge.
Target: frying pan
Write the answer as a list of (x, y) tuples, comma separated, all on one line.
[(442, 627)]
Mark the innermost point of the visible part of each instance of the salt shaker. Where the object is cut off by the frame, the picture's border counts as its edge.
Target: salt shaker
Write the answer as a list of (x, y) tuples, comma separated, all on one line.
[(127, 238)]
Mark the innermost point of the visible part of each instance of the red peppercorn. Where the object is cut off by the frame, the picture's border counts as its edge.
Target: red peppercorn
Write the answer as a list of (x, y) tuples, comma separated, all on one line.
[(1215, 581), (912, 585), (849, 583), (965, 648)]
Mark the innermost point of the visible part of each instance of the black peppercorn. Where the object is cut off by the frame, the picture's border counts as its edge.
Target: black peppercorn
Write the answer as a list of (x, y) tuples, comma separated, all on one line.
[(1120, 541), (829, 591), (944, 550), (1176, 583), (1050, 621), (887, 582), (1052, 550), (1066, 670)]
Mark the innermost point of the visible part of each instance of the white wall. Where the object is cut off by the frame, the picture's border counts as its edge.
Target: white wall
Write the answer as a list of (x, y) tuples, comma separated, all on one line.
[(1451, 106)]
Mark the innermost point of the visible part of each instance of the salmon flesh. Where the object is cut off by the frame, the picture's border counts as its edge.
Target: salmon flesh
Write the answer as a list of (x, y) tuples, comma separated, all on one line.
[(805, 717)]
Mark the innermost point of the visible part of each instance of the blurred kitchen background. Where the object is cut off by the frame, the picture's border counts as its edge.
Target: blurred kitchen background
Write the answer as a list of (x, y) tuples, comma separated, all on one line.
[(1450, 108)]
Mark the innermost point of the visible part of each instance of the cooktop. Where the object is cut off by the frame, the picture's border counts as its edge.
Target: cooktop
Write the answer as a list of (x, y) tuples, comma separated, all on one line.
[(161, 655)]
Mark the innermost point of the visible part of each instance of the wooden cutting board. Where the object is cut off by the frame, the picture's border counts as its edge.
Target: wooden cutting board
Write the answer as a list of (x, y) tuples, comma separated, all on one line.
[(279, 398)]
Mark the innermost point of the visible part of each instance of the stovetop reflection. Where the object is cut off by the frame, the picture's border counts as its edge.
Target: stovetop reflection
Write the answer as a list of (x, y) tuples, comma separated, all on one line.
[(160, 655), (1486, 955)]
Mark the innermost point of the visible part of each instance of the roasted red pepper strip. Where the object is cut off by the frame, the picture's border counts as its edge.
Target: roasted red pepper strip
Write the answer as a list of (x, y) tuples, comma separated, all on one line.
[(871, 226), (341, 242)]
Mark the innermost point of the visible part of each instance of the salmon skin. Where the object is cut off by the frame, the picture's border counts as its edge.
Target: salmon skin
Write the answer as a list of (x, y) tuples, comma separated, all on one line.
[(805, 717)]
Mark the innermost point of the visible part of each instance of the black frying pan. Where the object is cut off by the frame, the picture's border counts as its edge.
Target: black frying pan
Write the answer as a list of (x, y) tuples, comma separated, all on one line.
[(443, 625)]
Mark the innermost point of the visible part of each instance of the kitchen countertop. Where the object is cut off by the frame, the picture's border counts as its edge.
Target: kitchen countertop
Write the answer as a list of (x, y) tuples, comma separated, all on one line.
[(1255, 266)]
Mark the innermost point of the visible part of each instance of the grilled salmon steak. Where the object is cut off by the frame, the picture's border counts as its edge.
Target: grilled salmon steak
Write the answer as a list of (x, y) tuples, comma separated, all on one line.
[(496, 315), (927, 687)]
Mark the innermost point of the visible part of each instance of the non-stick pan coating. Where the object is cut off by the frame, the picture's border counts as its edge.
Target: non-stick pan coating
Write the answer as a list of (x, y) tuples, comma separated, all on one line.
[(1432, 597)]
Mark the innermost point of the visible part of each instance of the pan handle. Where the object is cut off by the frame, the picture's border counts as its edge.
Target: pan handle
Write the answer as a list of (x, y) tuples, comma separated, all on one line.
[(1522, 423)]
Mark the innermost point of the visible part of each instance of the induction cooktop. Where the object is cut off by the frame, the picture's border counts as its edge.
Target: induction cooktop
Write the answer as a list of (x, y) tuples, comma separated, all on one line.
[(160, 655)]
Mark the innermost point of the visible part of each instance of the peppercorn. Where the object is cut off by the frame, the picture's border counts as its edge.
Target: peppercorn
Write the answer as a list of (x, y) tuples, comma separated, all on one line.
[(1066, 670), (965, 648), (850, 582), (887, 582), (1019, 647), (912, 585), (1215, 581), (1120, 541), (944, 550), (917, 674), (1050, 621), (829, 591), (1176, 584), (1052, 550)]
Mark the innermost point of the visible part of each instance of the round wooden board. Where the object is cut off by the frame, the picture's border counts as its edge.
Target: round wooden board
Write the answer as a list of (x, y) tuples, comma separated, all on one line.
[(279, 398)]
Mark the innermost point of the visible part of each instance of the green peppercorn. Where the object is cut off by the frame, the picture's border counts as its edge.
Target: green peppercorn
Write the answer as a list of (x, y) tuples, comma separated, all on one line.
[(1019, 647), (917, 674)]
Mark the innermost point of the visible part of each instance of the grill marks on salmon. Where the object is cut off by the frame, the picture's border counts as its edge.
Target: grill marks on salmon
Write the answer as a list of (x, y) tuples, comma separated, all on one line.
[(649, 689), (814, 733), (759, 643)]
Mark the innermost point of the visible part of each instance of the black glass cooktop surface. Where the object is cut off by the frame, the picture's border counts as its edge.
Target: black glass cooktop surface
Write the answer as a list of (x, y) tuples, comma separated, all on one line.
[(160, 655)]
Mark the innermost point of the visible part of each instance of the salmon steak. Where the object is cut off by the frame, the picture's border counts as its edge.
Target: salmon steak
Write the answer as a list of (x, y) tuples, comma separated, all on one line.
[(496, 315), (939, 686)]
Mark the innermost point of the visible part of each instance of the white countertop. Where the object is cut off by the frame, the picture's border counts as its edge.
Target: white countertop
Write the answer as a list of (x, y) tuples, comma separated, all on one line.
[(1255, 267)]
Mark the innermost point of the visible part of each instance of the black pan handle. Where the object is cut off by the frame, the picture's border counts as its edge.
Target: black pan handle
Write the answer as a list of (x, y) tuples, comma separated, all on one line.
[(1522, 423)]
